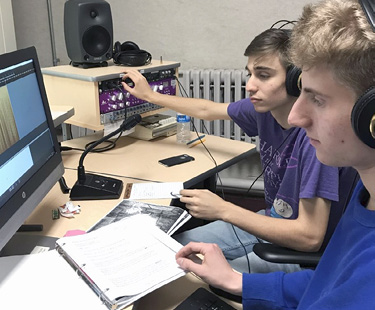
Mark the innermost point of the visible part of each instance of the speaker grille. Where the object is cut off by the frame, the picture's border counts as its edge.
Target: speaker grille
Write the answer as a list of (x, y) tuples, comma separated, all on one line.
[(96, 41)]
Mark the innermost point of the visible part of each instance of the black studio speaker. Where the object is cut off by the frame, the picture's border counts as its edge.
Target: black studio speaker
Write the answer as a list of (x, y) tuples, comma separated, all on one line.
[(88, 32)]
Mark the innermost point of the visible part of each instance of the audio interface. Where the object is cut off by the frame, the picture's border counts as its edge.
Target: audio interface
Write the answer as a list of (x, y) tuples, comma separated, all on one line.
[(116, 103), (97, 95)]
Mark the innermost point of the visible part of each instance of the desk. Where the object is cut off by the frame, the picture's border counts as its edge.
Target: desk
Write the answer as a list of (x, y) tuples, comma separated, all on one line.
[(134, 158), (61, 113)]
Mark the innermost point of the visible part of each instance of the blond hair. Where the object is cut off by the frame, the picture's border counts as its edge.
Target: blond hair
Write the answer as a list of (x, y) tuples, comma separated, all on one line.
[(336, 33)]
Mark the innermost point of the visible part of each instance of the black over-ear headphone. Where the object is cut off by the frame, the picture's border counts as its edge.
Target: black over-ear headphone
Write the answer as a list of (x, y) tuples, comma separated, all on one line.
[(363, 113), (293, 74), (293, 81), (129, 54)]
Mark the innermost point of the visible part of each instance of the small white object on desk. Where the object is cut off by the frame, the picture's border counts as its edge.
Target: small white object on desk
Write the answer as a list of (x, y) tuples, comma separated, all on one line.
[(153, 190)]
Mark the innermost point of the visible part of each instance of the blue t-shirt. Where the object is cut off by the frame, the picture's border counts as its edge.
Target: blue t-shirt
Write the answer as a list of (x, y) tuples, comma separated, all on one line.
[(344, 278), (291, 169)]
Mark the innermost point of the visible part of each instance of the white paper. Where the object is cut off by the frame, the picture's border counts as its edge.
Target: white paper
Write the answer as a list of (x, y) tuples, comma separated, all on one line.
[(156, 190), (111, 127), (43, 281), (126, 258)]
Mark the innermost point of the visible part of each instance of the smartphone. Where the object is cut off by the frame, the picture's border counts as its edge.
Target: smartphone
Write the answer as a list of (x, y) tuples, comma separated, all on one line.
[(176, 160)]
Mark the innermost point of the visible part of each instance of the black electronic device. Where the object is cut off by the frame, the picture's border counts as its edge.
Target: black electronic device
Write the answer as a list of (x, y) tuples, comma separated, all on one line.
[(91, 186), (363, 113), (363, 117), (293, 83), (203, 299), (116, 104), (129, 54), (30, 159), (176, 160), (88, 32)]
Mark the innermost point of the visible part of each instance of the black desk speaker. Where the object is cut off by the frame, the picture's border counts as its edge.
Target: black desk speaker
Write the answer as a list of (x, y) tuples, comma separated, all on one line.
[(88, 32)]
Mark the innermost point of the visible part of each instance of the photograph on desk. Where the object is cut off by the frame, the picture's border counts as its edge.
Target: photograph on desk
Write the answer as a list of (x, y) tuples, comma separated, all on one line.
[(167, 218)]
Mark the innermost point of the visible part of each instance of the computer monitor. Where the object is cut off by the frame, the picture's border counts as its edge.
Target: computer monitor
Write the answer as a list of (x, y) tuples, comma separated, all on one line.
[(30, 159)]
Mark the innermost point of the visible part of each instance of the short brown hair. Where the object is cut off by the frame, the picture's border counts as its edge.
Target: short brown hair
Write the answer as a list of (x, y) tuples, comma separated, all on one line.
[(271, 41), (337, 34)]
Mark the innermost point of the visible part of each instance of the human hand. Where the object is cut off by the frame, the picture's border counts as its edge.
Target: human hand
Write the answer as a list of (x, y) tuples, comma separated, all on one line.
[(141, 88), (214, 269), (204, 204)]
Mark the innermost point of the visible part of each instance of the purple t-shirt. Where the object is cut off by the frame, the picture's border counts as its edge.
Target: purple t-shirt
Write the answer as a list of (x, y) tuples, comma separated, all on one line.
[(292, 170)]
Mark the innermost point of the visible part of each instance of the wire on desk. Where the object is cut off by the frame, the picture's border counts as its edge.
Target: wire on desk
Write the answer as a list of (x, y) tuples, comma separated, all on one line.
[(116, 175), (217, 175)]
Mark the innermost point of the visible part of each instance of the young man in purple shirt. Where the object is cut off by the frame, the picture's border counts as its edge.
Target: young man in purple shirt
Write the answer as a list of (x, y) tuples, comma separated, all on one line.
[(300, 192), (334, 44)]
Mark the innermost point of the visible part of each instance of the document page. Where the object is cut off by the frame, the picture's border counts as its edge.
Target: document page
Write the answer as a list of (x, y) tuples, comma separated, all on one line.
[(126, 258), (153, 190), (43, 281)]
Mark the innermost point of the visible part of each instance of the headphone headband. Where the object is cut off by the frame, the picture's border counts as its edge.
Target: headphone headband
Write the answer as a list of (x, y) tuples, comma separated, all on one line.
[(129, 54), (368, 8)]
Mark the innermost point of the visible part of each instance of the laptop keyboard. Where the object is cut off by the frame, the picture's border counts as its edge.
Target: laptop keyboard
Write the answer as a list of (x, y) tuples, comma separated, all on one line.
[(203, 299)]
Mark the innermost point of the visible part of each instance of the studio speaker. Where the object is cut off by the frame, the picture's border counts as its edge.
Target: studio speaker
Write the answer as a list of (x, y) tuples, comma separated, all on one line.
[(88, 32)]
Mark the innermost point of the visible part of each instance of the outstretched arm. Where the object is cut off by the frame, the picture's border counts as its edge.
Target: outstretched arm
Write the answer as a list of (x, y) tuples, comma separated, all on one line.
[(200, 108)]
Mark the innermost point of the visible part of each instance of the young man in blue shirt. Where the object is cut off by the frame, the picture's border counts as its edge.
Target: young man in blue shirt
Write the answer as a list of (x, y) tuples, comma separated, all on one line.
[(334, 44), (301, 194)]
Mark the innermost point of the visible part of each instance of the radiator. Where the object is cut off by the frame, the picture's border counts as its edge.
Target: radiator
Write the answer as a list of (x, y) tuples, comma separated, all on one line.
[(222, 86)]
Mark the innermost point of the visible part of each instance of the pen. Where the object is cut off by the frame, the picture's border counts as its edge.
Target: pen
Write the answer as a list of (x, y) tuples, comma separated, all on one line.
[(196, 139), (176, 195), (197, 142)]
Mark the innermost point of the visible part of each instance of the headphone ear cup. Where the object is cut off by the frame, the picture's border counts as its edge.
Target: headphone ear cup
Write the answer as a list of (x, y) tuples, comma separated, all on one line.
[(116, 52), (129, 46), (293, 81), (363, 117), (117, 47), (135, 58), (129, 54)]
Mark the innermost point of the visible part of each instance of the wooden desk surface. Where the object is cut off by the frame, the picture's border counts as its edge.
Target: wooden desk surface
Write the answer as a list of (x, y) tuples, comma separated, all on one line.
[(61, 113), (134, 158), (139, 159)]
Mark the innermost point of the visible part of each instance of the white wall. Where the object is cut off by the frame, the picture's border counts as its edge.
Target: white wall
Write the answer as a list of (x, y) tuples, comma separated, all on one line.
[(7, 33), (197, 33)]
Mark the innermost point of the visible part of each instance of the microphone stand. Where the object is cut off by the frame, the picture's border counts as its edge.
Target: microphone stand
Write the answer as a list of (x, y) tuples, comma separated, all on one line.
[(90, 186)]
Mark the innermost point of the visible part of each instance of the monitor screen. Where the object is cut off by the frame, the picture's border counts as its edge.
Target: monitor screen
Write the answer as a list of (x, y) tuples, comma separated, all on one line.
[(30, 159)]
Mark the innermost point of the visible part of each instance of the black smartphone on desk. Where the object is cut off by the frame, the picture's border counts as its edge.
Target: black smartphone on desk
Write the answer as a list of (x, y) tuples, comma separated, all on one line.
[(176, 160)]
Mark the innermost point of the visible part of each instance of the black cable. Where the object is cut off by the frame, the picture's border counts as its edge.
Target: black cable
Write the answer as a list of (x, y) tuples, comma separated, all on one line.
[(116, 175), (110, 146), (268, 162), (285, 21), (218, 176), (196, 131), (68, 148)]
